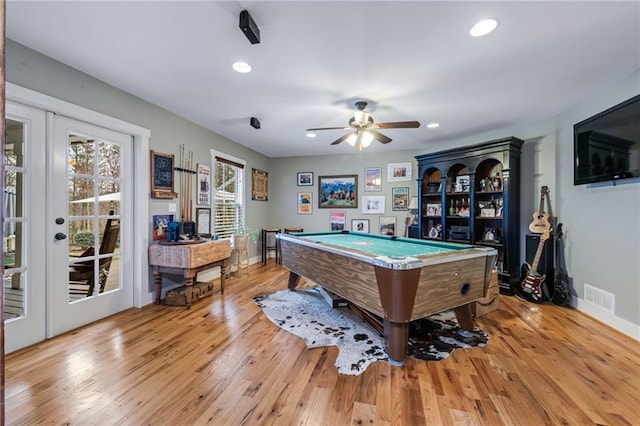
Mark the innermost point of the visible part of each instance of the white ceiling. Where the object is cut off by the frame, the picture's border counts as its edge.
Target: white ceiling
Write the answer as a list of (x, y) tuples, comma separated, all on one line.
[(410, 60)]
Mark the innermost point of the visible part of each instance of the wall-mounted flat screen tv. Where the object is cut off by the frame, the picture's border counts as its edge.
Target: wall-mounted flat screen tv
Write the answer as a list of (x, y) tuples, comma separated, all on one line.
[(606, 146)]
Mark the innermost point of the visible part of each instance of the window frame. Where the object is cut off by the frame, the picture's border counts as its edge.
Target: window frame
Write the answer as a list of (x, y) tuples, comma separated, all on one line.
[(239, 198)]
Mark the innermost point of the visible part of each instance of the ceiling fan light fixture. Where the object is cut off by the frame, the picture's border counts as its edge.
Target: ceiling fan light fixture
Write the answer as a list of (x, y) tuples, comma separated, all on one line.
[(351, 140), (433, 125), (366, 139), (483, 27), (361, 117), (311, 135)]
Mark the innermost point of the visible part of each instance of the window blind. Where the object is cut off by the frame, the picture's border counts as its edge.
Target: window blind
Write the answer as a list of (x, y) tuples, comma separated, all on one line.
[(228, 197)]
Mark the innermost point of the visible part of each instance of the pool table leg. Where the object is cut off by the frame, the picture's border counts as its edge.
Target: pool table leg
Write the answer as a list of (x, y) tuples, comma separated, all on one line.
[(293, 280), (465, 316), (396, 336)]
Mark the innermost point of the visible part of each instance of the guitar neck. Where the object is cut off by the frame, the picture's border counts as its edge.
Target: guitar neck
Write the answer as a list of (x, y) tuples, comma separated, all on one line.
[(536, 259)]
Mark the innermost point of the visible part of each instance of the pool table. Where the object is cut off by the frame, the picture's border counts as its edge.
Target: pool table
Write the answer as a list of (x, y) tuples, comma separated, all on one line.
[(397, 279)]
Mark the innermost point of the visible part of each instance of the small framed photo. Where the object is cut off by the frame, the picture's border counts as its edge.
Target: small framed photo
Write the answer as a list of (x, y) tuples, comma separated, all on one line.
[(400, 198), (373, 205), (305, 203), (398, 172), (160, 225), (434, 209), (388, 225), (373, 179), (338, 220), (434, 187), (462, 183), (203, 221), (360, 225), (305, 178)]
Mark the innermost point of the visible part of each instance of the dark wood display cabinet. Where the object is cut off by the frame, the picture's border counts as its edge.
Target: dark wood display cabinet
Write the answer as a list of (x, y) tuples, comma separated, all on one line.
[(471, 195)]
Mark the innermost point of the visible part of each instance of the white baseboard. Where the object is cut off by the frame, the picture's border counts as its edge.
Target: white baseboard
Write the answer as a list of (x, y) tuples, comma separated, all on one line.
[(602, 315)]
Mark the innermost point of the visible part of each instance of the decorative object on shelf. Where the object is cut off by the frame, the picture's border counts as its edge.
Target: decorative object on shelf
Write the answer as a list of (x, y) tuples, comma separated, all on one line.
[(338, 220), (162, 183), (462, 183), (434, 188), (400, 197), (360, 225), (259, 185), (388, 225), (373, 205), (305, 200), (204, 185), (489, 235), (305, 178), (496, 182), (338, 191), (434, 209), (398, 172), (373, 179)]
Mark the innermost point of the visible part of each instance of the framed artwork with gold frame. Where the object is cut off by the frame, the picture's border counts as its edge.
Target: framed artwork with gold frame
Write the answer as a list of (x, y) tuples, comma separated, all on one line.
[(259, 185)]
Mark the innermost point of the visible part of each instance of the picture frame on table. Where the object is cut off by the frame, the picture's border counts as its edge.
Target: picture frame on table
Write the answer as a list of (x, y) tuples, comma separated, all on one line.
[(373, 179), (360, 225), (338, 219), (400, 198), (462, 183), (305, 203), (388, 225), (338, 191), (160, 225), (203, 221), (373, 204), (399, 172), (305, 178)]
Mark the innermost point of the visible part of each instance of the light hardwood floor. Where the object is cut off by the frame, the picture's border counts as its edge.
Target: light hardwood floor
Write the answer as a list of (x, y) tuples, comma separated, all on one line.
[(223, 362)]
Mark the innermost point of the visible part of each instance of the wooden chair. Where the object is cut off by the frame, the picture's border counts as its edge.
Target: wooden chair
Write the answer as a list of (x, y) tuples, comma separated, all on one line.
[(82, 276)]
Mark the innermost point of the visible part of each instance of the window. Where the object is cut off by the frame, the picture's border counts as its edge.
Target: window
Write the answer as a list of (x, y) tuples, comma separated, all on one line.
[(228, 196)]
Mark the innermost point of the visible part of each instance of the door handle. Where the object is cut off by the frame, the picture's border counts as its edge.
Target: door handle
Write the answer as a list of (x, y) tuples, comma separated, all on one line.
[(60, 236)]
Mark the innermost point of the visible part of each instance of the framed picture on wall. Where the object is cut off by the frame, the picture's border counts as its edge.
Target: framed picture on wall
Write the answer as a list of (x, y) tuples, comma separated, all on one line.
[(373, 205), (259, 185), (373, 179), (204, 179), (400, 197), (338, 220), (305, 203), (162, 183), (398, 172), (388, 225), (305, 178), (360, 225), (338, 191), (203, 221)]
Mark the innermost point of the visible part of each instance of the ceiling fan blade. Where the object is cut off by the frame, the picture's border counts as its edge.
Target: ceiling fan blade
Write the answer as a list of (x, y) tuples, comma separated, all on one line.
[(326, 128), (341, 139), (399, 125), (380, 137)]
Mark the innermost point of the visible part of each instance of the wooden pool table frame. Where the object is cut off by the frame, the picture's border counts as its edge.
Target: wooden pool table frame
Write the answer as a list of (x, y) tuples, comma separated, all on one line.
[(396, 290)]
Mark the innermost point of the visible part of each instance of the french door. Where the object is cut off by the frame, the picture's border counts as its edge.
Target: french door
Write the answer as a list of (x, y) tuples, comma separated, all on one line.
[(67, 245), (89, 226)]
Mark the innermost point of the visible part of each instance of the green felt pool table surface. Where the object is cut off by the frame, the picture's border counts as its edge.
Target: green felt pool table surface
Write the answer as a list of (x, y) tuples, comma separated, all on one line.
[(381, 245)]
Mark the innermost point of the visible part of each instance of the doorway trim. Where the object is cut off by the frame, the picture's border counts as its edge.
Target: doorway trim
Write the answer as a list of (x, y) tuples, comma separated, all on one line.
[(141, 185)]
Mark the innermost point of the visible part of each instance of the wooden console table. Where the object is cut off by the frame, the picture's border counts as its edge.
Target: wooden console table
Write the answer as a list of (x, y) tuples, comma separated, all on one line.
[(187, 260)]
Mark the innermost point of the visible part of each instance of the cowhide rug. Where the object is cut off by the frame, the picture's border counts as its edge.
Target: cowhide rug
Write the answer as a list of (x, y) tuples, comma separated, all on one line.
[(305, 313)]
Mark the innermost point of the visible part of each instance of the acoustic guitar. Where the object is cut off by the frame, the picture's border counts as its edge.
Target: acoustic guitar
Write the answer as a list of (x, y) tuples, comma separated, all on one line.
[(541, 219), (532, 283)]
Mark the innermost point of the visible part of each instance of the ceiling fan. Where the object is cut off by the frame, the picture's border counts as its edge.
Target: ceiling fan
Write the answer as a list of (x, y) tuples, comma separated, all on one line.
[(363, 130)]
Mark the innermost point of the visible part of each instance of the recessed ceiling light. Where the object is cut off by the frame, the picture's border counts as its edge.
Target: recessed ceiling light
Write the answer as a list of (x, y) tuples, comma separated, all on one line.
[(433, 125), (311, 135), (242, 67), (483, 27)]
